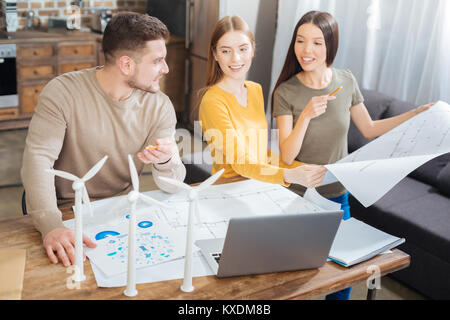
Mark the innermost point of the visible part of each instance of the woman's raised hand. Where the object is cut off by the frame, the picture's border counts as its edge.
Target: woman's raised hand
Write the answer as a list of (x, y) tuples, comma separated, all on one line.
[(316, 106), (423, 108)]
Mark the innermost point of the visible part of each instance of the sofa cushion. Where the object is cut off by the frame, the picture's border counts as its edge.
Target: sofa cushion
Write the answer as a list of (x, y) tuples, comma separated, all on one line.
[(412, 210), (377, 104), (397, 107), (429, 172), (443, 180)]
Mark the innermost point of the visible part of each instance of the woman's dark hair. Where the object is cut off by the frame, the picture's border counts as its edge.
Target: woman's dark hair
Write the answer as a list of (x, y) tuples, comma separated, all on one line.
[(329, 27), (128, 32)]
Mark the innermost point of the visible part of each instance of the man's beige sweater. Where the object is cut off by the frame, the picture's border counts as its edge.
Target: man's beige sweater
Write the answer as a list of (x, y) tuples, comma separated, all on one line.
[(76, 124)]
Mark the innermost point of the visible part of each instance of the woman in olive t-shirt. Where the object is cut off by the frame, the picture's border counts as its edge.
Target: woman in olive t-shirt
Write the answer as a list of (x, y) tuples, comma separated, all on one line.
[(313, 125)]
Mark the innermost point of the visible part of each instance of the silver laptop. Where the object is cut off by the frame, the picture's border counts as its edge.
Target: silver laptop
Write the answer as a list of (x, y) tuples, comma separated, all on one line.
[(264, 244)]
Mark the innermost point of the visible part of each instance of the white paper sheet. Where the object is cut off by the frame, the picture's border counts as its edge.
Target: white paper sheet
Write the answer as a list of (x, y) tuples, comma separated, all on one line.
[(357, 241), (312, 195), (217, 205), (374, 169)]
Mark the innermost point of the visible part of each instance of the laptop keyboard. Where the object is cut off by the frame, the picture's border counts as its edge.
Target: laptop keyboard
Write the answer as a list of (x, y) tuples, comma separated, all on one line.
[(216, 256)]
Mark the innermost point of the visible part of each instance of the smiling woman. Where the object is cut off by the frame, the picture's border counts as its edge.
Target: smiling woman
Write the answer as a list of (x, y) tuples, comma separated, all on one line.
[(232, 113), (234, 54), (313, 116), (227, 29)]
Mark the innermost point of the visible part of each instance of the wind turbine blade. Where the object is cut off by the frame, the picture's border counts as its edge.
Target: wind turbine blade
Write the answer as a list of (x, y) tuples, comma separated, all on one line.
[(176, 183), (153, 201), (93, 171), (205, 184), (62, 174), (87, 202), (133, 173)]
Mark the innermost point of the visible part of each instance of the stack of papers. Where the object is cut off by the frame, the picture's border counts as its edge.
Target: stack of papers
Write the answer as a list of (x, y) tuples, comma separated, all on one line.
[(356, 241)]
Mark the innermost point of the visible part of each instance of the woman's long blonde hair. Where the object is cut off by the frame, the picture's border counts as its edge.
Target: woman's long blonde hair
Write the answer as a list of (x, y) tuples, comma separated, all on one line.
[(224, 25)]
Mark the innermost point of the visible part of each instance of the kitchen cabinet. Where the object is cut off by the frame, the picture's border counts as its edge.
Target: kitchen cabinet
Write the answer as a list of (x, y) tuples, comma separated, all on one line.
[(35, 51), (28, 97), (37, 64), (41, 56), (8, 113)]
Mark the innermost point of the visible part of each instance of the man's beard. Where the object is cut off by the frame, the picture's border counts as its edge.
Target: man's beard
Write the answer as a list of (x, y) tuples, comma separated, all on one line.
[(132, 83)]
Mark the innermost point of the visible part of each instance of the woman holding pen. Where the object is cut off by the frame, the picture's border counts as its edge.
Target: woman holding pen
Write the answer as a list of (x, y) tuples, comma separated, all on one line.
[(232, 113), (314, 102)]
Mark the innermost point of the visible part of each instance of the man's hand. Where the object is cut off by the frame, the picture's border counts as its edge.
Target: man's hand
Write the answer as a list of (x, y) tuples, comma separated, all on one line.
[(62, 241), (165, 149)]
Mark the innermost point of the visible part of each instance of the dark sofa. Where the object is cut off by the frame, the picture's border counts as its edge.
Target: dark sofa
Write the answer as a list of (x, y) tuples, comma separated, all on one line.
[(417, 209)]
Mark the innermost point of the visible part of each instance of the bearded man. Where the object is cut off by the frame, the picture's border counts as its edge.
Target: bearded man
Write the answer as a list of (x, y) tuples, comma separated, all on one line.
[(115, 110)]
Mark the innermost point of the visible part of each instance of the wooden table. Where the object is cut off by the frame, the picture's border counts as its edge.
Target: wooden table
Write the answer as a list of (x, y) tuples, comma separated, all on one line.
[(44, 280)]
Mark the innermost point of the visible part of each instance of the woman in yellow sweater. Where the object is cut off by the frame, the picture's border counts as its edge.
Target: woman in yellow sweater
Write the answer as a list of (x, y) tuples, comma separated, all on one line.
[(232, 113)]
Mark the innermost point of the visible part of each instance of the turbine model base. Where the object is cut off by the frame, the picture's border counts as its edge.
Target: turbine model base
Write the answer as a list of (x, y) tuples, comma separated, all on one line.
[(187, 289), (130, 293)]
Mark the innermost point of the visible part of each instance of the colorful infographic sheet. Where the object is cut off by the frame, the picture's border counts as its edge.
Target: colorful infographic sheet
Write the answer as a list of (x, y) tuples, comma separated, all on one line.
[(156, 242)]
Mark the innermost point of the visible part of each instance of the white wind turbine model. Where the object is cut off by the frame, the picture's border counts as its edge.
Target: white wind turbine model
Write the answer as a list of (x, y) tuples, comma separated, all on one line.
[(132, 199), (193, 209), (81, 196)]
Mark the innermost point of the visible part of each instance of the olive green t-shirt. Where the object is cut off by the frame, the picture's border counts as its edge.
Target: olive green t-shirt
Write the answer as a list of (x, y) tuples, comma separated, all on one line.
[(325, 140)]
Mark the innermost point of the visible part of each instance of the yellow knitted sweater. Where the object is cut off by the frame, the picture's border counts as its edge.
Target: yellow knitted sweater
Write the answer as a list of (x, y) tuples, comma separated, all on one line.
[(237, 135)]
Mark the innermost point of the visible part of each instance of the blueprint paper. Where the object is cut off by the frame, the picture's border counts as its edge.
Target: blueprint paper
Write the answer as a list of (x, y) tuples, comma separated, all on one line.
[(371, 171), (312, 195), (217, 205), (328, 178), (369, 180)]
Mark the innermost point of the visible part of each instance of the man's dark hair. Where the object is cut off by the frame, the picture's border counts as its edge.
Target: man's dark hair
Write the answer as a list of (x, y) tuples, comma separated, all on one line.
[(128, 32)]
